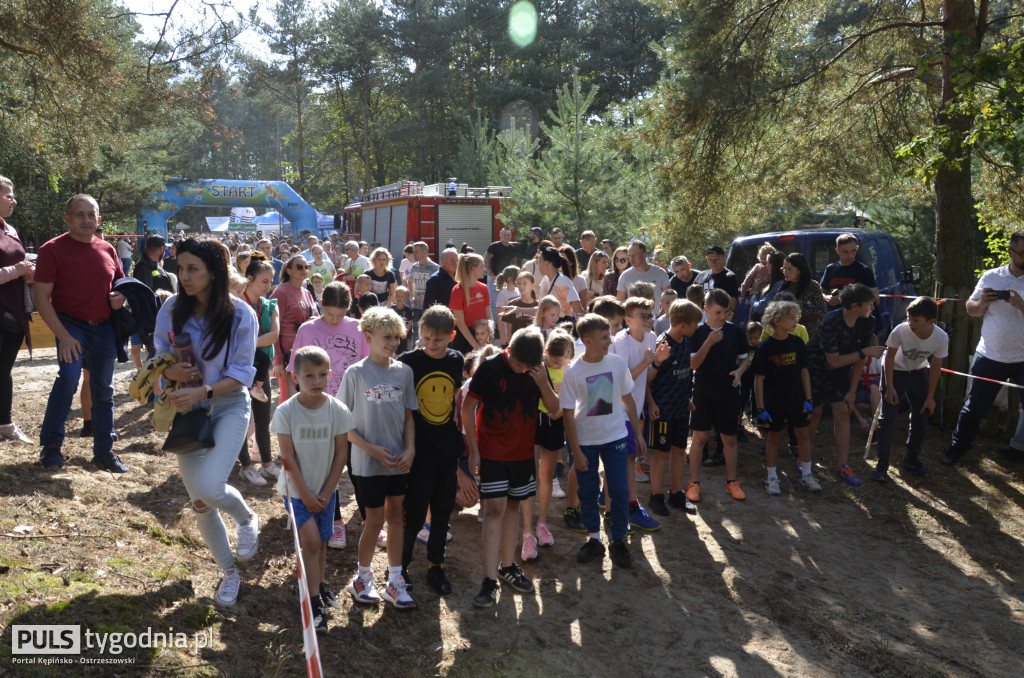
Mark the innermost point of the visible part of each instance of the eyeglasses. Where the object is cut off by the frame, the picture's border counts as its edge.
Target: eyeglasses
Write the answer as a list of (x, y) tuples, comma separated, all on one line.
[(300, 267), (643, 316), (621, 260)]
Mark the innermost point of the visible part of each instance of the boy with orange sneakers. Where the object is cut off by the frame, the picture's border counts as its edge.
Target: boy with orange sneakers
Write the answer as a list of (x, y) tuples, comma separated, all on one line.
[(718, 361)]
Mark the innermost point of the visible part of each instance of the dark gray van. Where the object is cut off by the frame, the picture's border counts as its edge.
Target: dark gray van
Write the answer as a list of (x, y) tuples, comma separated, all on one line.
[(877, 249)]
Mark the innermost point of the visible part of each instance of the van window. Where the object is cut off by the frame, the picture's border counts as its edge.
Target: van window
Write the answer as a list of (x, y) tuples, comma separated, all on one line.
[(823, 253), (742, 257)]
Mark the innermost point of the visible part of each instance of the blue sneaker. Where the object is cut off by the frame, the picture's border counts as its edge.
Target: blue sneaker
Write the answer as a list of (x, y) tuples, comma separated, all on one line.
[(50, 457), (639, 517), (846, 473)]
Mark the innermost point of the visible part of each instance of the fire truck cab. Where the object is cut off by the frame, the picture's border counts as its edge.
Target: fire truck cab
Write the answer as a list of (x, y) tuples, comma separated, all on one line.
[(407, 211)]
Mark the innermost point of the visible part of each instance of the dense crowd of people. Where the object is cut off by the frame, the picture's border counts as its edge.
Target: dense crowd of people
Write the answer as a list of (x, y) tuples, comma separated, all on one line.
[(490, 379)]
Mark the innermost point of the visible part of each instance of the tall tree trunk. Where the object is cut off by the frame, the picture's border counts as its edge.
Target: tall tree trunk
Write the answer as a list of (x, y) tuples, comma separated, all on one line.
[(954, 201), (954, 204)]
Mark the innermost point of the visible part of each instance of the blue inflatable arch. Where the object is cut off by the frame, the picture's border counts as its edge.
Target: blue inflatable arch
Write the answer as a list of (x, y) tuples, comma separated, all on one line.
[(228, 193)]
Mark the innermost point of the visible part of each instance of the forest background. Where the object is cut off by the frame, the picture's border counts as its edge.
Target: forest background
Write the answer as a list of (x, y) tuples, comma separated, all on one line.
[(681, 122)]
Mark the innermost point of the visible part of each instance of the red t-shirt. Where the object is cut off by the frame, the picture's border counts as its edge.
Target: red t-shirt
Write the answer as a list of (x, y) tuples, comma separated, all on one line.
[(82, 275), (506, 420), (479, 302)]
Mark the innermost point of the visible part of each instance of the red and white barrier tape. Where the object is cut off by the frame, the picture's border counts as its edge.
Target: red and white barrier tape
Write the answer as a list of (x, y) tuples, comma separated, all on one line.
[(938, 301), (313, 668), (993, 381)]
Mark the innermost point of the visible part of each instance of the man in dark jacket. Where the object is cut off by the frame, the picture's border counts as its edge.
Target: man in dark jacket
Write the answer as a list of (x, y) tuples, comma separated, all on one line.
[(147, 268), (441, 284)]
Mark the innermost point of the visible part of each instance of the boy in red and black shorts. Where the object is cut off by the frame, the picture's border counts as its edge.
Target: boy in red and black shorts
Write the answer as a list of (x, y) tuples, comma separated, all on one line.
[(500, 437)]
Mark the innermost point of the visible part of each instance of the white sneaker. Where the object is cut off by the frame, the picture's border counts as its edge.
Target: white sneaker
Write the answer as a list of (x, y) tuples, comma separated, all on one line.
[(772, 486), (14, 434), (247, 539), (272, 470), (809, 482), (258, 394), (253, 475), (227, 589), (396, 594), (363, 590), (556, 490)]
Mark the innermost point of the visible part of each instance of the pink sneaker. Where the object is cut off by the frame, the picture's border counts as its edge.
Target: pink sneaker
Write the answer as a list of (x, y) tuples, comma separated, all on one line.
[(338, 540), (544, 536), (529, 547)]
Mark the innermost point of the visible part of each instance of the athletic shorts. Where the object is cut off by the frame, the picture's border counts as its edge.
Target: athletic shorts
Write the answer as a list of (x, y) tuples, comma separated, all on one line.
[(512, 479), (863, 395), (796, 418), (373, 490), (664, 434), (550, 432), (718, 412), (630, 439), (830, 386), (324, 519)]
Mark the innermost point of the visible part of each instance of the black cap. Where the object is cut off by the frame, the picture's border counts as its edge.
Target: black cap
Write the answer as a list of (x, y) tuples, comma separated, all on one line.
[(715, 249), (536, 230)]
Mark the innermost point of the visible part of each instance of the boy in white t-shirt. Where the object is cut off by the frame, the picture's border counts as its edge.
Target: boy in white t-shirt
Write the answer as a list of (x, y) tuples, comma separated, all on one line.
[(596, 399), (312, 432), (636, 346), (912, 345)]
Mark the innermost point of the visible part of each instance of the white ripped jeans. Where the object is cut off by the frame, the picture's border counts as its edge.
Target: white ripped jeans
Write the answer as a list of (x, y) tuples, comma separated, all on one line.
[(205, 474)]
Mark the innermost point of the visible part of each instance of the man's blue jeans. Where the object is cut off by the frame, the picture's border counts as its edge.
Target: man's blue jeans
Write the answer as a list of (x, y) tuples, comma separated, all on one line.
[(982, 395), (99, 351), (615, 457)]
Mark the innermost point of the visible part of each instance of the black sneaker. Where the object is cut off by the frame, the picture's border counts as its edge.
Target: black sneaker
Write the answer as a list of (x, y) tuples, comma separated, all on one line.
[(328, 597), (952, 456), (658, 506), (488, 593), (438, 581), (574, 519), (319, 615), (1011, 452), (86, 431), (880, 475), (679, 501), (716, 459), (914, 467), (514, 577), (620, 554), (408, 581), (50, 457), (592, 549), (111, 463)]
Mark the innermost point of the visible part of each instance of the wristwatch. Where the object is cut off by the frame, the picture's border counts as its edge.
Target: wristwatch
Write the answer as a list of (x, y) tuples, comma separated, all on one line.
[(861, 354), (209, 392)]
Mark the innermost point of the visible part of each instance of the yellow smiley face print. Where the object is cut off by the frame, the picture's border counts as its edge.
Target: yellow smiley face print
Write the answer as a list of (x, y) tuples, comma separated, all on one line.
[(436, 395)]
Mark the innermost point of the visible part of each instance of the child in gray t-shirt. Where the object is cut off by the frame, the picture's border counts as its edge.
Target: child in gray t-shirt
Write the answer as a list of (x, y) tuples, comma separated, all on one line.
[(381, 395)]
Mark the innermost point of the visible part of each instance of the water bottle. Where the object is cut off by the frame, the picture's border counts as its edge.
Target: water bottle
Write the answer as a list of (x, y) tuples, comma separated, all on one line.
[(183, 350)]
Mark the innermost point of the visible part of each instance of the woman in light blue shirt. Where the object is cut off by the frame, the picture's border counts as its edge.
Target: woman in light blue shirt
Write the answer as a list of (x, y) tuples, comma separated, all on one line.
[(223, 337)]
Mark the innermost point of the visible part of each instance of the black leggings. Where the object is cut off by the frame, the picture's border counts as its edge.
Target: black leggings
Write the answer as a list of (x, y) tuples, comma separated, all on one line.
[(261, 420), (10, 344)]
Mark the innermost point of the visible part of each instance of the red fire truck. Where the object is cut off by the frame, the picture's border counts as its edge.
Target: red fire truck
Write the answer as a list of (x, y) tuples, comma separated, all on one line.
[(407, 211)]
